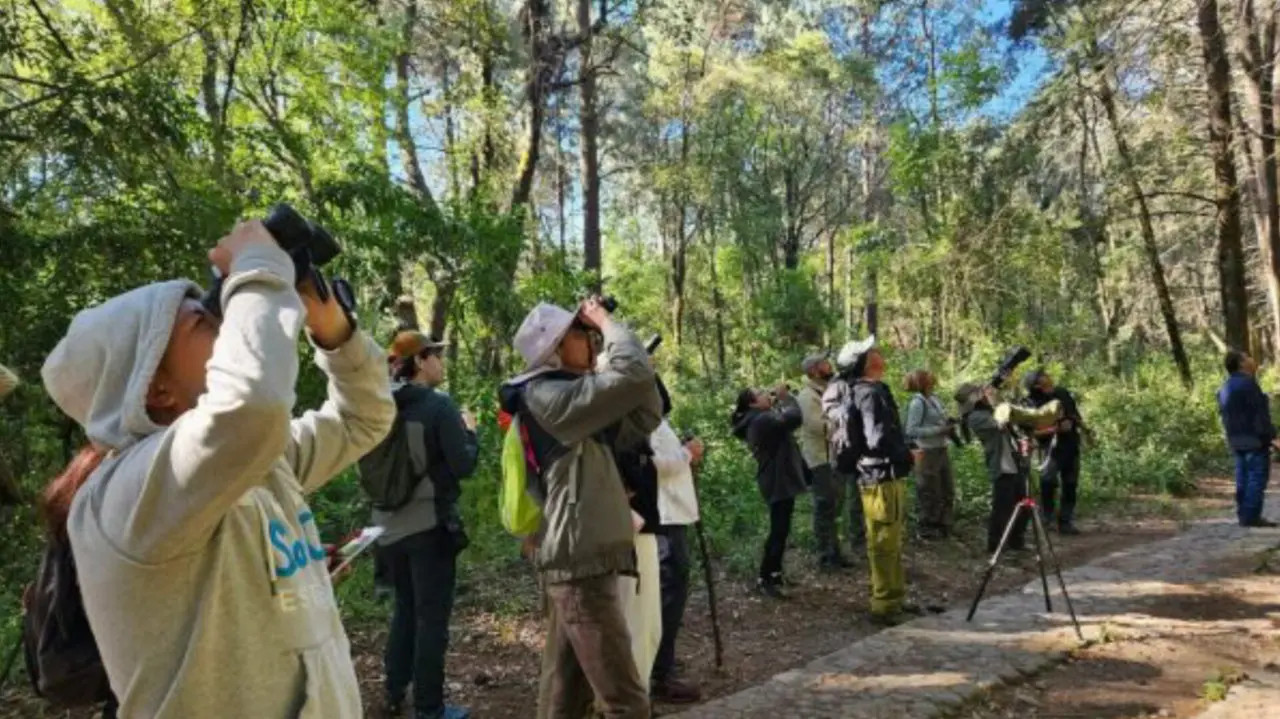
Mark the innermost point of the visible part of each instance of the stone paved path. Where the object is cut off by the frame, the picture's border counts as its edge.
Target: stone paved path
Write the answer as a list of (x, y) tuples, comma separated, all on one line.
[(929, 667)]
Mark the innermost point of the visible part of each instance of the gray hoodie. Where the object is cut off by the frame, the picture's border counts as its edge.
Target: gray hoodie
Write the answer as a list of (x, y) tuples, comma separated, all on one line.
[(200, 564)]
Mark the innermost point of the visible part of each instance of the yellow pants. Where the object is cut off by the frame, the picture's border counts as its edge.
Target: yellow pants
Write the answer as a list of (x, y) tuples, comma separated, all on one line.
[(885, 508)]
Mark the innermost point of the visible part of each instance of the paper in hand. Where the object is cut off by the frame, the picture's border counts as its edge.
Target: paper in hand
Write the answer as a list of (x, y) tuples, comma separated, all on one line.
[(349, 551)]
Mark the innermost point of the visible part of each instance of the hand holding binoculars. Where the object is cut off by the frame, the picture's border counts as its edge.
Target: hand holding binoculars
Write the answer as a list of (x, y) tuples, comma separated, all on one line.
[(310, 246)]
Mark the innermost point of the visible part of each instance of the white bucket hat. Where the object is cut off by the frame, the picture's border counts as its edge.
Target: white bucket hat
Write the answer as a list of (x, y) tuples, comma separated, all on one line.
[(538, 337)]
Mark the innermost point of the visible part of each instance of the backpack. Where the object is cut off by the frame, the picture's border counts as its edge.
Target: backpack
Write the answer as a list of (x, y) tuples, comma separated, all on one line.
[(517, 508), (61, 654), (386, 472), (526, 449), (848, 443)]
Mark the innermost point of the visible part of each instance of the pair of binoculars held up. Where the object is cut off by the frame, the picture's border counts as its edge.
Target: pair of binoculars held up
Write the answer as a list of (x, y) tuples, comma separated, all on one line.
[(310, 246)]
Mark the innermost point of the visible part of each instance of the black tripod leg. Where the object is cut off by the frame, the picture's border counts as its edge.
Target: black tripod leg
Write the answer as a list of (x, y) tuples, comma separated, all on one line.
[(991, 565), (1037, 529), (1057, 569)]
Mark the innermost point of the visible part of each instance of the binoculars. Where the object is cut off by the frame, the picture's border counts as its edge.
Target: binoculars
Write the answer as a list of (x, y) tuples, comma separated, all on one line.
[(309, 245)]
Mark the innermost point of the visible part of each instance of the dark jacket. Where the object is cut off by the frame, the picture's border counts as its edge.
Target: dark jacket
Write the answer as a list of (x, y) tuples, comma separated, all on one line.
[(780, 472), (1246, 414), (640, 477), (579, 421), (886, 443), (443, 452)]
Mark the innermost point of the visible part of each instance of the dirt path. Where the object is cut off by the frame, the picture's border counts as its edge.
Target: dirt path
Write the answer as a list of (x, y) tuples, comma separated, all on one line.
[(493, 662)]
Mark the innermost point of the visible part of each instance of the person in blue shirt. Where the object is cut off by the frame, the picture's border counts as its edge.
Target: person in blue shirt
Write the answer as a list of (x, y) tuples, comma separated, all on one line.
[(1246, 420)]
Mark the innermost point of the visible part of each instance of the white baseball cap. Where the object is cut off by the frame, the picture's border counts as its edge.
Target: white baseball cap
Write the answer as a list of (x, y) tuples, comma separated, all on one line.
[(853, 351)]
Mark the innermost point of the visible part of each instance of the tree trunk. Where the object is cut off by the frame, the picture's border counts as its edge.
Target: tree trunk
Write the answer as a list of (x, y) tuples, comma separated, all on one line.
[(212, 103), (833, 299), (1230, 256), (717, 305), (1150, 247), (450, 131), (870, 193), (406, 313), (446, 287), (590, 124), (1258, 60), (535, 93), (404, 134)]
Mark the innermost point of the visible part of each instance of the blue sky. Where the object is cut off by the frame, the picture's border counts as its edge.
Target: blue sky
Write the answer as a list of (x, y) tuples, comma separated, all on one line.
[(1031, 64)]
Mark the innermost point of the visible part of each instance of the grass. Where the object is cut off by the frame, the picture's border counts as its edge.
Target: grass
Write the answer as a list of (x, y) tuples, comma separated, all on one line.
[(1215, 688)]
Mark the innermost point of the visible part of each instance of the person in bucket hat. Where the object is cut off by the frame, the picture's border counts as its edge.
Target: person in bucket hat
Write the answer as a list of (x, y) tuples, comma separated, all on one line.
[(576, 417)]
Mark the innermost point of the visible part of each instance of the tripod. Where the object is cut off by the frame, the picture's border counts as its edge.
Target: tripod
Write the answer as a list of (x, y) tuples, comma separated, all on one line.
[(1041, 535)]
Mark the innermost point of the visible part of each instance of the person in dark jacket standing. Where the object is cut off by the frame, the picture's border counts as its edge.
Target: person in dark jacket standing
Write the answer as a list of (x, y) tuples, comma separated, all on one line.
[(423, 538), (766, 422), (1060, 444), (1246, 420), (883, 465)]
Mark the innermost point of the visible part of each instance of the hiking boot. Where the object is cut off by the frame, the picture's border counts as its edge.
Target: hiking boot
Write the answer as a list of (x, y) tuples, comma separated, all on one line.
[(889, 619), (674, 691), (1261, 522), (1068, 529), (912, 609)]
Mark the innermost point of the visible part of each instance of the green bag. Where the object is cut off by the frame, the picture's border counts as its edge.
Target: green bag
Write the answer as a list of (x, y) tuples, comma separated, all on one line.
[(519, 513)]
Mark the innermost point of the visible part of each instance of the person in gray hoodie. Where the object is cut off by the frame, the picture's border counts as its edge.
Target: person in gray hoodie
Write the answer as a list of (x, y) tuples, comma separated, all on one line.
[(576, 417), (200, 563)]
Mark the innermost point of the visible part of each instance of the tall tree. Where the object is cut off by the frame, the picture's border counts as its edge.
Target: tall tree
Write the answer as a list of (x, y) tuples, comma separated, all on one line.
[(1257, 54), (1230, 255), (589, 121)]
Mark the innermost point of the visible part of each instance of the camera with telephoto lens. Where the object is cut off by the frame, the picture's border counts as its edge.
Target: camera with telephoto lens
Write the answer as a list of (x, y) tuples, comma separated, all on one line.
[(1016, 357), (310, 246)]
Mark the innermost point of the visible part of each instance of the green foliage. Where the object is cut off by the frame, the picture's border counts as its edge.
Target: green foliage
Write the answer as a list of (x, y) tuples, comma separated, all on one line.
[(772, 172)]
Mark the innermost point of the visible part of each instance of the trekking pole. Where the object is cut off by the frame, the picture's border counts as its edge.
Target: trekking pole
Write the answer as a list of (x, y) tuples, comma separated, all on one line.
[(711, 592), (706, 575)]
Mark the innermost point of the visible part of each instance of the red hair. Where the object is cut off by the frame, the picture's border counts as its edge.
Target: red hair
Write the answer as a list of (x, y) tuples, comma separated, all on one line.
[(55, 502)]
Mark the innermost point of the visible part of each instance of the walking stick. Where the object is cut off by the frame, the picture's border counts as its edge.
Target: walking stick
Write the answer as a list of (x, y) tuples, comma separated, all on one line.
[(706, 575), (711, 592)]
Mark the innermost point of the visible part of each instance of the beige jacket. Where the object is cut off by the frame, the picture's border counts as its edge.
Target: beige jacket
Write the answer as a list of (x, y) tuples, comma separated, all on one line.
[(814, 445)]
